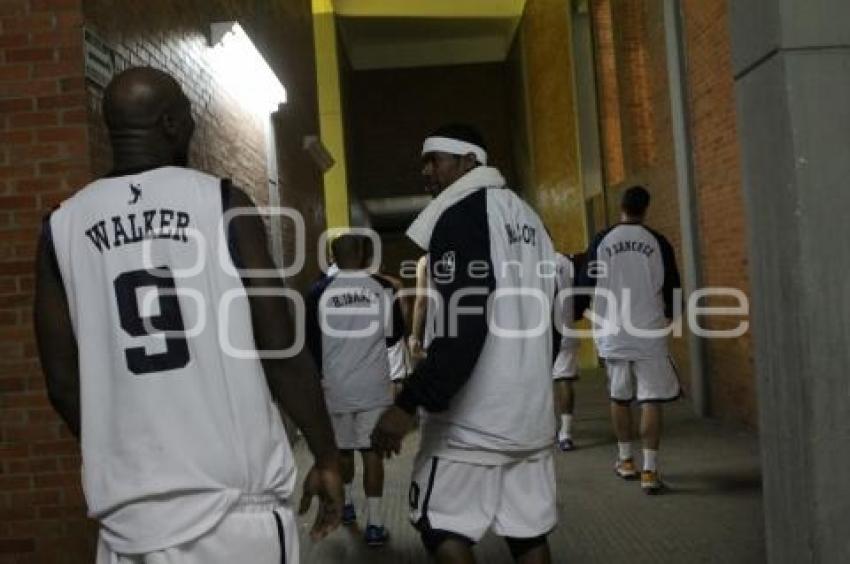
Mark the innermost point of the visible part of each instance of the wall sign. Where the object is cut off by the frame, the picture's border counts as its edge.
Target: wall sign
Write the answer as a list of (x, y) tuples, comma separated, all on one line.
[(100, 59)]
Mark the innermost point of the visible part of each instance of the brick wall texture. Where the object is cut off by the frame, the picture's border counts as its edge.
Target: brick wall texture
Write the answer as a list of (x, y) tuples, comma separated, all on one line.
[(716, 155), (635, 123), (53, 142)]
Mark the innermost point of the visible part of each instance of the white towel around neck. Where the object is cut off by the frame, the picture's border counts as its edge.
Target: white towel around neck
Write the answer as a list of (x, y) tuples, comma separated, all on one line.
[(477, 178)]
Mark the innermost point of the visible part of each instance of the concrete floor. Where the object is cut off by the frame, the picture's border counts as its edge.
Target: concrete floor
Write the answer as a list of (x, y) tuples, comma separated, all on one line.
[(711, 511)]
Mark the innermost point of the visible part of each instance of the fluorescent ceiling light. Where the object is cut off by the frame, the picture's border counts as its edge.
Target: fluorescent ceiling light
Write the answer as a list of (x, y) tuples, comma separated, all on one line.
[(242, 70)]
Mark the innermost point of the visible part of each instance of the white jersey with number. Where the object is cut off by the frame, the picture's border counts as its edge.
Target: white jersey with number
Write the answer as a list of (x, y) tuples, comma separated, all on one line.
[(177, 423), (633, 269)]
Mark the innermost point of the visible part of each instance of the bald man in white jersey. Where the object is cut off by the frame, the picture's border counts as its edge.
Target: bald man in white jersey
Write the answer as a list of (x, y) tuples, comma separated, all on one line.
[(148, 344)]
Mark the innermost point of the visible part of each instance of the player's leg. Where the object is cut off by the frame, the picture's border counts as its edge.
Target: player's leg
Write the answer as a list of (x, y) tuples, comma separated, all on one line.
[(346, 465), (530, 551), (564, 372), (657, 382), (343, 426), (621, 392), (565, 403), (453, 550), (376, 533), (650, 425), (373, 486)]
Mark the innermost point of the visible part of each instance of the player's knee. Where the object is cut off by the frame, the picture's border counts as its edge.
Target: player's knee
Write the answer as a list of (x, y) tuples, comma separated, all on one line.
[(520, 547), (435, 539)]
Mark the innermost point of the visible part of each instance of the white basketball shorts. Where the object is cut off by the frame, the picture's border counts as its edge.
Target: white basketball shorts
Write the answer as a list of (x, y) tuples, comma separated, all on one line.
[(566, 365), (646, 379), (353, 430), (259, 530), (516, 499)]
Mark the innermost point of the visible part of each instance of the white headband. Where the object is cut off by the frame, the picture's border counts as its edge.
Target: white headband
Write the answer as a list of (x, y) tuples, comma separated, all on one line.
[(454, 147)]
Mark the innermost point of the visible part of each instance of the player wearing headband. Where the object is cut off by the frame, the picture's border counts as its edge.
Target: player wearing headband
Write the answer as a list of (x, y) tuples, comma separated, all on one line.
[(485, 459)]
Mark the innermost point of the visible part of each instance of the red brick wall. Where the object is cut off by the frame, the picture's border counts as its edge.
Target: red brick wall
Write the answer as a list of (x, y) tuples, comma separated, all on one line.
[(43, 158), (608, 91), (52, 142), (714, 135)]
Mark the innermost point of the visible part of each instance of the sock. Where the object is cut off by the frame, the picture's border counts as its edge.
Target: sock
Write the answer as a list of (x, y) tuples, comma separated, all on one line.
[(566, 426), (625, 450), (375, 517), (348, 500), (650, 460)]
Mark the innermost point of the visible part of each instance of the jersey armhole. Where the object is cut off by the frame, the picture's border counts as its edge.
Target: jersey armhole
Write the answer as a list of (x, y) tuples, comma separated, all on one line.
[(47, 241), (230, 235)]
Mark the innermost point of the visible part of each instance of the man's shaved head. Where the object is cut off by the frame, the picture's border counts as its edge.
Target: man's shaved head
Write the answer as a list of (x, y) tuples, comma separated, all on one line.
[(138, 96), (148, 116)]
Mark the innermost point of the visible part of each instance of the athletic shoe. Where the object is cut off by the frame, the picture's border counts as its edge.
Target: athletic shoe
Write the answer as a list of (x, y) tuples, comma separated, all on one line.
[(566, 444), (650, 483), (349, 515), (376, 536), (626, 469)]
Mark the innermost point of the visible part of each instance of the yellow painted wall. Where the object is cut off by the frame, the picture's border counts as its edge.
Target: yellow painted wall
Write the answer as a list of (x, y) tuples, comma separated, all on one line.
[(330, 112), (556, 189), (543, 72)]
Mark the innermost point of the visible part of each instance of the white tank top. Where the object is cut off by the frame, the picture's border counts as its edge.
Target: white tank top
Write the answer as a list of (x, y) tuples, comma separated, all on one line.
[(174, 429)]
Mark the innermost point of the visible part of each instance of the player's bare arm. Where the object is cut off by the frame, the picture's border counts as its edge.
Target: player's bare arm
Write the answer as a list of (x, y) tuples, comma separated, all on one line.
[(57, 347), (293, 381), (420, 307)]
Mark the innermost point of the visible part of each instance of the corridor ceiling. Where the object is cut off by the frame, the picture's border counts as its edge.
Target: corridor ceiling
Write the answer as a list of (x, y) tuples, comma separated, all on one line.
[(380, 34)]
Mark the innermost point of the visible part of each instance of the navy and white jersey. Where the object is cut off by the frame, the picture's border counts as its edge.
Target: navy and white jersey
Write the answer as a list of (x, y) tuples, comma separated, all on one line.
[(633, 269), (486, 382), (174, 428), (354, 325)]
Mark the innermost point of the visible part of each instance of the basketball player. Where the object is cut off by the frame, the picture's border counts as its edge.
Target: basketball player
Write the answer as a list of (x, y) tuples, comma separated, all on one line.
[(565, 369), (350, 332), (148, 345), (485, 460), (635, 266)]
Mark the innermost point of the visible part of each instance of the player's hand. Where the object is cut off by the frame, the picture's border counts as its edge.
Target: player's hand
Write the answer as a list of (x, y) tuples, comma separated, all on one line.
[(324, 482), (391, 428)]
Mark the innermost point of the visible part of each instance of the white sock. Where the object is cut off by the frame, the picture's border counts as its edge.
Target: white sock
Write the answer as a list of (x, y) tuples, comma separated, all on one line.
[(348, 500), (375, 517), (650, 460), (625, 450), (566, 425)]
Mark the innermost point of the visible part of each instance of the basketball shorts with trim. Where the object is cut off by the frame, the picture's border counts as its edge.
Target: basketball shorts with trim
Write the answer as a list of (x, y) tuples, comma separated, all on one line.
[(353, 430), (647, 379), (259, 529), (516, 499), (566, 365)]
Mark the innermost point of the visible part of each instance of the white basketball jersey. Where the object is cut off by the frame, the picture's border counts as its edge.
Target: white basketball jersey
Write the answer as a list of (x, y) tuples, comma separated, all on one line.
[(353, 311), (174, 428), (634, 274), (505, 407)]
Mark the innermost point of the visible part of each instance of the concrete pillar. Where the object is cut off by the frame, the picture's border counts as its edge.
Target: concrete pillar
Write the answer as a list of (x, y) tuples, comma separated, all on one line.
[(792, 71)]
